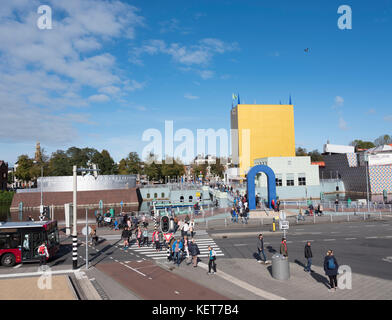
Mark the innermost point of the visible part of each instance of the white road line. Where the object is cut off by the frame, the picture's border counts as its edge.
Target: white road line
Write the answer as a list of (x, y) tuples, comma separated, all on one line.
[(17, 266), (32, 274), (371, 237), (134, 270), (350, 238), (329, 239)]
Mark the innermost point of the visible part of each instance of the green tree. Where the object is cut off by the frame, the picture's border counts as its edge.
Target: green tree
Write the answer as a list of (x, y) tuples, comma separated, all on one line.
[(384, 139), (300, 152), (153, 169), (60, 164), (359, 144), (315, 156), (131, 164), (218, 169), (24, 171), (104, 161), (173, 169)]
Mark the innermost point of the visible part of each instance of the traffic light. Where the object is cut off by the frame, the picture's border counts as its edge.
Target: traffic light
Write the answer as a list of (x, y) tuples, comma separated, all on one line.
[(46, 211), (165, 224)]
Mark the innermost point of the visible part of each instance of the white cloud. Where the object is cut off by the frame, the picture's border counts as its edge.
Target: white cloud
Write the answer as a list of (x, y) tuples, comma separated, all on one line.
[(206, 74), (199, 54), (339, 101), (99, 98), (388, 118), (342, 123), (190, 96), (43, 72)]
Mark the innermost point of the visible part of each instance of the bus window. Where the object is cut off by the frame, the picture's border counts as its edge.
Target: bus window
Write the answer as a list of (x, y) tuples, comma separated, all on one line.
[(4, 241), (53, 238), (15, 240)]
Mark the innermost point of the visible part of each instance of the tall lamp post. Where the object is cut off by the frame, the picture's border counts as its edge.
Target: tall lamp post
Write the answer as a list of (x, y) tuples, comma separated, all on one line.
[(367, 180), (75, 171)]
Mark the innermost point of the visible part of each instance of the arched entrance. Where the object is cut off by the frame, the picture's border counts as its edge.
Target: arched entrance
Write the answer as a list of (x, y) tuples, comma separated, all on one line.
[(271, 185)]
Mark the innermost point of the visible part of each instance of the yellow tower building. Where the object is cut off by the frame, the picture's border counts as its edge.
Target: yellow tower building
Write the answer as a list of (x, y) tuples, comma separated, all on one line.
[(261, 130)]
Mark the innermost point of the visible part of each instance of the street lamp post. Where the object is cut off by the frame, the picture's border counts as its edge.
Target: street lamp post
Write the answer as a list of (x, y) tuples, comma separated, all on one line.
[(75, 170), (74, 232), (367, 181)]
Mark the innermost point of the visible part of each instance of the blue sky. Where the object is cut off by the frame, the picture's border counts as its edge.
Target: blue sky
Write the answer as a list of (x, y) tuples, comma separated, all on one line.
[(108, 70)]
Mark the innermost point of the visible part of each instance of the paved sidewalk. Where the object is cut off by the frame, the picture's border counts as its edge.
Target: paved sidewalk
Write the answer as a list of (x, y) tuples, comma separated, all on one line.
[(303, 285), (28, 289)]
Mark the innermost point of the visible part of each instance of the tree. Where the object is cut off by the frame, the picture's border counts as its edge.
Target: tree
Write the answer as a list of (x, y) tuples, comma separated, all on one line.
[(104, 161), (218, 169), (300, 152), (173, 169), (359, 144), (131, 164), (25, 168), (60, 164), (384, 139), (315, 156), (153, 169)]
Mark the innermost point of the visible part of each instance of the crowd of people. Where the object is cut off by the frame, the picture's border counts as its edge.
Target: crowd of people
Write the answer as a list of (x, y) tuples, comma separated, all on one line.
[(240, 209)]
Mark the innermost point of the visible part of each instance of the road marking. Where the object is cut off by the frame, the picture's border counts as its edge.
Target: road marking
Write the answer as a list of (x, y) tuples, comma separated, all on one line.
[(38, 273), (350, 238), (18, 266), (329, 239), (371, 237), (240, 245), (135, 270), (244, 285)]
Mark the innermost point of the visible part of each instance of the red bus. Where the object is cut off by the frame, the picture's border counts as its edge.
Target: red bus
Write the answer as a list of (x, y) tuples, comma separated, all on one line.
[(19, 241)]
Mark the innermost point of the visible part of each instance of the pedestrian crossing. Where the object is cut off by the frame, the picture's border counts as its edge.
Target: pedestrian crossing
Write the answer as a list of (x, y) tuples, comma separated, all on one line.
[(202, 239)]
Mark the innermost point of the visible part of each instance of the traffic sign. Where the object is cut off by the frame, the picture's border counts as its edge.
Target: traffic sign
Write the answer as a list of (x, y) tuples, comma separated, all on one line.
[(167, 236), (85, 229), (283, 225)]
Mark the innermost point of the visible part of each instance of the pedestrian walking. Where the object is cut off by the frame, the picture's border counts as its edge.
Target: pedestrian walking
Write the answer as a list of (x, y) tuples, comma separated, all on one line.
[(43, 254), (192, 228), (308, 257), (145, 236), (94, 237), (177, 247), (283, 248), (185, 229), (194, 252), (155, 239), (331, 270), (260, 248), (125, 237), (139, 235), (211, 260)]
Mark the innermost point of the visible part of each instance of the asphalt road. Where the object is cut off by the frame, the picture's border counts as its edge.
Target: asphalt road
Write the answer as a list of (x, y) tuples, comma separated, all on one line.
[(364, 246)]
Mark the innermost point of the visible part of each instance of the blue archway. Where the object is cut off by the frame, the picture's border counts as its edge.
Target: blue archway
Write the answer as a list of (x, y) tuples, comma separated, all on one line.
[(271, 185)]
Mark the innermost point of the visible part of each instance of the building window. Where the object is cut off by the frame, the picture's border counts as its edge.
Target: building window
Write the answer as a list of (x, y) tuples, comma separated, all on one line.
[(155, 195), (190, 198), (148, 196), (301, 179), (278, 179), (181, 199), (289, 179), (162, 195)]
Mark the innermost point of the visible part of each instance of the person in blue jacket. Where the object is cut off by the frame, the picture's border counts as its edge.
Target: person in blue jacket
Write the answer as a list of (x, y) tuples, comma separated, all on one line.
[(331, 269), (177, 251)]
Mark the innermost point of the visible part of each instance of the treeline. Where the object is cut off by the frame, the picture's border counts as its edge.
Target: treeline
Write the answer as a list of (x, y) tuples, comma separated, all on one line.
[(61, 162), (381, 140)]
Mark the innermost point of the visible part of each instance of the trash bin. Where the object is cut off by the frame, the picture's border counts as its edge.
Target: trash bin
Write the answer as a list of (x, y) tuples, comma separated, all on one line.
[(280, 267)]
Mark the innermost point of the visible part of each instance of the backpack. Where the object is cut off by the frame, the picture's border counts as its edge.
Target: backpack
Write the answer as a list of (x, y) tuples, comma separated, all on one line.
[(331, 264)]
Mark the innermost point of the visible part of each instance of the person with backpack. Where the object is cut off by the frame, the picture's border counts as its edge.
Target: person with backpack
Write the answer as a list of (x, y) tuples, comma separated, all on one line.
[(43, 254), (211, 260), (308, 257), (260, 247), (125, 237), (194, 252), (283, 248), (331, 270)]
